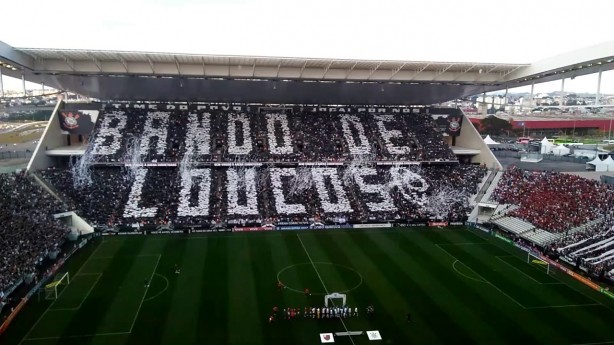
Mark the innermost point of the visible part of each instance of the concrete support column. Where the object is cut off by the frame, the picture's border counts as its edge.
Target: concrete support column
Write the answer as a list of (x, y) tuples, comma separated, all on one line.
[(482, 107), (23, 84), (531, 99), (562, 90), (598, 96), (1, 84)]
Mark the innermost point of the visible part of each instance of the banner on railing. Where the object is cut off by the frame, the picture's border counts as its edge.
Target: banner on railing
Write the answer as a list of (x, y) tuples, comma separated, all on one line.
[(372, 226), (252, 228), (411, 225), (572, 274), (292, 227), (320, 163), (504, 239), (205, 230)]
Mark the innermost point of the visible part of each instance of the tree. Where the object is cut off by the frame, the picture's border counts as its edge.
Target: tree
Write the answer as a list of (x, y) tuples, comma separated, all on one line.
[(495, 126)]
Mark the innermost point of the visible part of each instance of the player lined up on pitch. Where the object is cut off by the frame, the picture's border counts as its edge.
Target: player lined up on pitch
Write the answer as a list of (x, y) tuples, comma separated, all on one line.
[(319, 313)]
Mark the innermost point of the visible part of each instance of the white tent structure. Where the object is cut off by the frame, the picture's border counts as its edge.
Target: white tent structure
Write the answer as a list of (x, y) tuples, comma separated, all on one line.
[(609, 162), (488, 141), (546, 146), (598, 164), (560, 150)]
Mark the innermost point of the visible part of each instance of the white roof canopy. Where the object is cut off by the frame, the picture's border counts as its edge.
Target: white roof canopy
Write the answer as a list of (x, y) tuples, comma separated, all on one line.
[(489, 141)]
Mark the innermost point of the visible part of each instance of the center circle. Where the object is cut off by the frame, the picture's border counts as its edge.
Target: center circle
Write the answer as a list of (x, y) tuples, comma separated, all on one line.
[(324, 274)]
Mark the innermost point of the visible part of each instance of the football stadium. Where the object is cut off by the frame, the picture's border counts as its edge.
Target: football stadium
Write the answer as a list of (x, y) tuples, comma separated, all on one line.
[(223, 199)]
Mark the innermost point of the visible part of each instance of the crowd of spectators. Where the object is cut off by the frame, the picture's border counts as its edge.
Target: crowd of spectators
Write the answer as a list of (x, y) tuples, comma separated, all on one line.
[(165, 136), (276, 195), (28, 231), (553, 201), (592, 248)]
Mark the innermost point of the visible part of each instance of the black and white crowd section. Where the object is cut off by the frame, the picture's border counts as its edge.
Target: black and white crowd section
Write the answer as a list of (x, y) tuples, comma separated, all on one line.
[(239, 165), (230, 134), (591, 250), (28, 230), (240, 195)]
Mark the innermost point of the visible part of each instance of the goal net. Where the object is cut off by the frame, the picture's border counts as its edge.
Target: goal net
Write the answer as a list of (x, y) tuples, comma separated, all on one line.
[(335, 296), (51, 290), (537, 262)]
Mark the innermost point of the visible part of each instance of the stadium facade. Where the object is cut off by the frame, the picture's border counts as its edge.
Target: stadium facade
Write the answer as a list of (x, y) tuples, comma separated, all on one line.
[(140, 81)]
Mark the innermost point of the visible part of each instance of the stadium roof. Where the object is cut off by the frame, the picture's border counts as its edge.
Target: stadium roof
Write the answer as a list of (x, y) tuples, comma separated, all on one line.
[(77, 70), (168, 64)]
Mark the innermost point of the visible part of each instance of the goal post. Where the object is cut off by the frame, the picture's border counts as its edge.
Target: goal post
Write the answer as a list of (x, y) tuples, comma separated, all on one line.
[(333, 296), (536, 261), (51, 290)]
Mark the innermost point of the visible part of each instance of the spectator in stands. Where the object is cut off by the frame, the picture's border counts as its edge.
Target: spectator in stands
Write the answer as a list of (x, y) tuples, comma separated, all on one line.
[(28, 232), (553, 201)]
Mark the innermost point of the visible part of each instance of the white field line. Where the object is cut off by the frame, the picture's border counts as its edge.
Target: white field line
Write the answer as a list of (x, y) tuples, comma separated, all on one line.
[(526, 275), (161, 292), (464, 275), (462, 243), (145, 294), (86, 295), (127, 256), (76, 336), (61, 292), (485, 280), (566, 306), (322, 281), (89, 291)]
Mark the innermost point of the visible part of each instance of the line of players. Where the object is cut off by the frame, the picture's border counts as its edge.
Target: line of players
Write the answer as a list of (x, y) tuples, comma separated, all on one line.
[(319, 313)]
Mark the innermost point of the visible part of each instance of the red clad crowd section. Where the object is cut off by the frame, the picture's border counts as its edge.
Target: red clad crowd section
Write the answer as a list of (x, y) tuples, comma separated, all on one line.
[(553, 201)]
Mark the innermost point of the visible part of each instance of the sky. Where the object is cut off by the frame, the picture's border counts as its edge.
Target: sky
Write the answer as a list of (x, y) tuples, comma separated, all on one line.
[(519, 31)]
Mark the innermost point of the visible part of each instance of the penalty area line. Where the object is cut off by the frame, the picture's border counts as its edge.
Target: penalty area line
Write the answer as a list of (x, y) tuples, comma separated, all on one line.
[(518, 270), (77, 336), (566, 306), (479, 275), (92, 254)]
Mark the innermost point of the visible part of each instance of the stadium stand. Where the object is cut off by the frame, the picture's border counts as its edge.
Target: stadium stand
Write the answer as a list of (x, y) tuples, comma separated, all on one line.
[(491, 188), (592, 248), (28, 231), (256, 196), (553, 201), (266, 137), (222, 168)]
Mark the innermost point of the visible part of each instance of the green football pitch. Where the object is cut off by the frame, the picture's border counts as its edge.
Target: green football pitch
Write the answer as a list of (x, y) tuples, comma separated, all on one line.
[(459, 285)]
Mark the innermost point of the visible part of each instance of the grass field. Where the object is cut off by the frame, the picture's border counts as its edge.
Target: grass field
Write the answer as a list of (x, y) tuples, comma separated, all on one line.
[(461, 287)]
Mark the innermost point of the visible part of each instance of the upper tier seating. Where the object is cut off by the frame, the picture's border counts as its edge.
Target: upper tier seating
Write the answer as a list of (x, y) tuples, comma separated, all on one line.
[(205, 136)]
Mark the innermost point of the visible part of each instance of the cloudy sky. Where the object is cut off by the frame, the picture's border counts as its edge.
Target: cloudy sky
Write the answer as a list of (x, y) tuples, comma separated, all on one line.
[(443, 30)]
